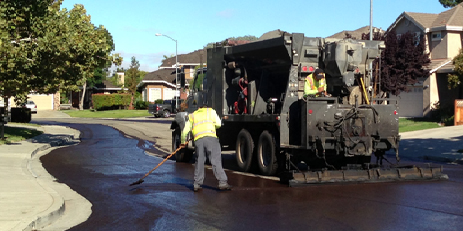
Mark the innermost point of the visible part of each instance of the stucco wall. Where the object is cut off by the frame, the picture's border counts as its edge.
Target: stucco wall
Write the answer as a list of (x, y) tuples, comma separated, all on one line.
[(439, 47), (405, 25), (454, 43)]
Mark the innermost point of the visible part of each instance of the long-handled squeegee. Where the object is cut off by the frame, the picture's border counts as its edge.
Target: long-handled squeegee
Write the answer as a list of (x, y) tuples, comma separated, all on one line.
[(169, 156)]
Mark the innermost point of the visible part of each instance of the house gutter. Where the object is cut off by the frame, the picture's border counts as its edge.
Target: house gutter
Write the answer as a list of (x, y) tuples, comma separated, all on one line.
[(437, 68)]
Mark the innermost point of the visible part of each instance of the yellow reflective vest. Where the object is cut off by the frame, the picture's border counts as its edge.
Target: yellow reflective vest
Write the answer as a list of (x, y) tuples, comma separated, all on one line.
[(312, 84), (202, 122)]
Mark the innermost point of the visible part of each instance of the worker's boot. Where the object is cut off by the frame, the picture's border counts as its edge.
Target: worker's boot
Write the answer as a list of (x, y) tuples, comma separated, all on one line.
[(225, 187), (196, 187)]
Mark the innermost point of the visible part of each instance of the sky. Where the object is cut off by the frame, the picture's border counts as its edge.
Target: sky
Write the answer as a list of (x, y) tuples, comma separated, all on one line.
[(194, 24)]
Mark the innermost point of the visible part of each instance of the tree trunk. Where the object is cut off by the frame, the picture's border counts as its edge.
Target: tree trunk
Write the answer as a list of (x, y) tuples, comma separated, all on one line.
[(81, 103), (4, 118), (131, 103)]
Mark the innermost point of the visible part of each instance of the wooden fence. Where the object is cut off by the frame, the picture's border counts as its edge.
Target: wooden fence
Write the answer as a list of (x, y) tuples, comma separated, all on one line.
[(458, 112)]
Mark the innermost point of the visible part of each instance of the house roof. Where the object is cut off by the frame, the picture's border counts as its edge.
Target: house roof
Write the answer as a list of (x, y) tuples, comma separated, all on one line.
[(424, 20), (451, 17), (441, 66), (162, 75), (190, 58), (357, 34)]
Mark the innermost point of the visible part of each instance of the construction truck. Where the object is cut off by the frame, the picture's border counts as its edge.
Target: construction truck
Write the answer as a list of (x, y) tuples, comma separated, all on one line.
[(258, 91)]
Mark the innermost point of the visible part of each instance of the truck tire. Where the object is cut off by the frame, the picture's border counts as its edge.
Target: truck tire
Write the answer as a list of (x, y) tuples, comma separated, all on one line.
[(266, 154), (183, 155), (166, 113), (244, 150)]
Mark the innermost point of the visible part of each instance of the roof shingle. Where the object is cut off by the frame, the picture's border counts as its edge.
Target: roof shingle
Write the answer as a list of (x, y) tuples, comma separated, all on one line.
[(357, 34), (162, 75), (193, 57)]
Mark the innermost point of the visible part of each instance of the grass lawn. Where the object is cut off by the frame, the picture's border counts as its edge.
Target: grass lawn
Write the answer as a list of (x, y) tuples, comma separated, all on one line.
[(107, 114), (16, 134), (415, 124)]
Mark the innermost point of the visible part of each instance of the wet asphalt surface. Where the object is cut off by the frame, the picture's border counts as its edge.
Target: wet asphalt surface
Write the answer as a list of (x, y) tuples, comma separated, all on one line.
[(103, 165)]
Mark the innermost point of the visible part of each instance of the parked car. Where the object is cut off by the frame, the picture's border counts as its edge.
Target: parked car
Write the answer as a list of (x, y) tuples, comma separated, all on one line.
[(165, 109), (30, 104), (160, 110)]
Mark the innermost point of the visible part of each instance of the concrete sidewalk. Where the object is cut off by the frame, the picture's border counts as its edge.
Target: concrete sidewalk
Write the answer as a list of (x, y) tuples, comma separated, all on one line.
[(30, 199), (443, 144)]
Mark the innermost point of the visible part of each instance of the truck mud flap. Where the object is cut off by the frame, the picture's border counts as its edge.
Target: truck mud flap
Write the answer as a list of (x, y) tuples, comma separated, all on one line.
[(405, 173)]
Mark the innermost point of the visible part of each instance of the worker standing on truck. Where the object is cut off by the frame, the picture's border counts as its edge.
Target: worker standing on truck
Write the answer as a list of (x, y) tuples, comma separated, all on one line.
[(315, 84), (203, 123)]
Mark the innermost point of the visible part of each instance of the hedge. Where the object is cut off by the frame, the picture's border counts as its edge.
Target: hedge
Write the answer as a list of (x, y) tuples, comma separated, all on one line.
[(108, 101), (140, 105)]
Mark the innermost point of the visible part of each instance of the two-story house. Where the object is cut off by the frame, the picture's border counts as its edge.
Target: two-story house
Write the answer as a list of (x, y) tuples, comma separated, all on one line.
[(160, 84), (443, 39)]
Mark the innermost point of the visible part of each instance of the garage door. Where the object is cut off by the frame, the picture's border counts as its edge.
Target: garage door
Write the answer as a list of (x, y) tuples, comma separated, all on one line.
[(168, 93), (154, 94), (43, 102), (411, 103)]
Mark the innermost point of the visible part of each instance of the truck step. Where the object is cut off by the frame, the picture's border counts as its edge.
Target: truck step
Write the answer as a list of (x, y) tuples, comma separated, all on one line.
[(405, 173)]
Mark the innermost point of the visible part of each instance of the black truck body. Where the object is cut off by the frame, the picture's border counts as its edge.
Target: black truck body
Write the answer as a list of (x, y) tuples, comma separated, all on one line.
[(160, 110), (257, 89)]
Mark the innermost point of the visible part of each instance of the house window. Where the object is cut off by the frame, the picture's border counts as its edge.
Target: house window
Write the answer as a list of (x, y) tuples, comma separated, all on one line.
[(416, 38), (436, 36), (399, 36)]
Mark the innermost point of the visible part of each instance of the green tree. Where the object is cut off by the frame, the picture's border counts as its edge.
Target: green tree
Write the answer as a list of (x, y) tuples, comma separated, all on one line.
[(24, 34), (132, 79), (456, 78), (88, 46), (164, 57), (450, 3)]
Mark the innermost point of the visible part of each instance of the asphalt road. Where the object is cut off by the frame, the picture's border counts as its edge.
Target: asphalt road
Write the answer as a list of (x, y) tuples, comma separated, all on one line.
[(108, 160)]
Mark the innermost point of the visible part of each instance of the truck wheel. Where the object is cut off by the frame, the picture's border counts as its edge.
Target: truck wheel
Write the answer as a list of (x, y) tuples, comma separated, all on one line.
[(183, 155), (266, 154), (166, 113), (244, 150)]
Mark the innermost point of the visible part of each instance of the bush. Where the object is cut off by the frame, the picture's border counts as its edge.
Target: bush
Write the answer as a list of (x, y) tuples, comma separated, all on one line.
[(443, 114), (141, 105), (159, 101), (110, 101)]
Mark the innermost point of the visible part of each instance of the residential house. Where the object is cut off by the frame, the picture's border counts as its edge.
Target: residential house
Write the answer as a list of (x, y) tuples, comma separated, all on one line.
[(160, 84), (106, 87), (356, 34), (443, 39)]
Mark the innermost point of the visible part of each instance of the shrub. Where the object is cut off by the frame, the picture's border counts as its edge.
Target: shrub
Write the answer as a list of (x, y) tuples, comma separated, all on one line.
[(443, 114), (159, 101), (110, 101), (141, 105)]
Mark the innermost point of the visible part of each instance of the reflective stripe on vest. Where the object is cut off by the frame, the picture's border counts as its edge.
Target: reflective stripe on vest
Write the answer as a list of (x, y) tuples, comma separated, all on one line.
[(203, 125)]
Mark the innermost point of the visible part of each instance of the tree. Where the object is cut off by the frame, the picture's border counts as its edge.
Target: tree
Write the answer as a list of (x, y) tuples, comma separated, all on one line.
[(132, 79), (89, 48), (23, 34), (402, 62), (456, 79), (164, 57), (450, 3)]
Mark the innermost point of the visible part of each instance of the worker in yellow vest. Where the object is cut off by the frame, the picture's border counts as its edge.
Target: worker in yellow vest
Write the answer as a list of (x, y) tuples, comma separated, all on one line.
[(203, 123), (315, 84)]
